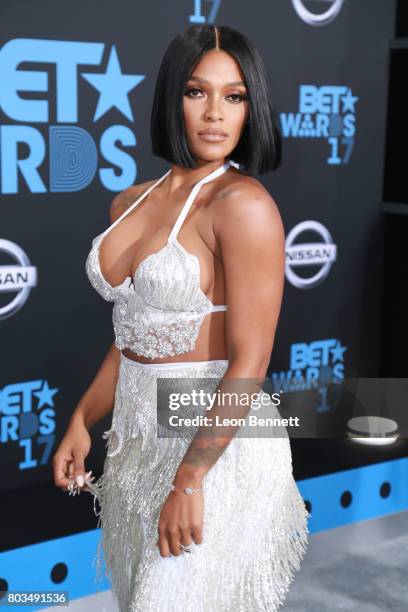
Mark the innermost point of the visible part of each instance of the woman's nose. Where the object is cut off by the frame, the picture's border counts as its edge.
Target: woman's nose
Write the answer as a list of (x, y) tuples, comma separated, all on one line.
[(213, 112)]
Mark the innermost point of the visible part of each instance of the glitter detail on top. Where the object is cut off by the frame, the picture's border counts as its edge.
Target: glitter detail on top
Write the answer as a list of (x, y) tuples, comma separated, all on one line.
[(159, 312)]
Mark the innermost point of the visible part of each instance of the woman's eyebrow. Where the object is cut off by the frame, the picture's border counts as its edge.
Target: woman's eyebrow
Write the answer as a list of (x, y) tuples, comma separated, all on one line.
[(201, 80)]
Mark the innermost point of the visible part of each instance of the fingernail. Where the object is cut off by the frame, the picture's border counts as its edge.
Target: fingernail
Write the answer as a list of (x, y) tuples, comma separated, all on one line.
[(80, 480)]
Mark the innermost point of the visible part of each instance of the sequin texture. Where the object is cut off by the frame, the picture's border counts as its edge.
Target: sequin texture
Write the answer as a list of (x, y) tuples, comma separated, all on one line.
[(159, 312), (255, 521)]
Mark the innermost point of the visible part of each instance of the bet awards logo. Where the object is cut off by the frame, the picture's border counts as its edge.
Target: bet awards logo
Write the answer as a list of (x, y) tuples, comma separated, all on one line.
[(312, 365), (313, 18), (86, 75), (324, 112), (27, 416), (317, 254), (17, 279)]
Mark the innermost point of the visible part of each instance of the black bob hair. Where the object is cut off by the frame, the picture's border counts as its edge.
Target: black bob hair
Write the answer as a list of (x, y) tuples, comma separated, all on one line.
[(259, 148)]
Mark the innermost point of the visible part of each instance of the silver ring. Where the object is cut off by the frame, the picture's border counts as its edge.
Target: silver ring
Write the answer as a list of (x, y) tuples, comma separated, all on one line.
[(72, 487), (186, 547)]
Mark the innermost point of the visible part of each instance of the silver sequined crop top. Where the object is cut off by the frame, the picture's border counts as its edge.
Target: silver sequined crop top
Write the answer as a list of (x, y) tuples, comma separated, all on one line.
[(159, 314)]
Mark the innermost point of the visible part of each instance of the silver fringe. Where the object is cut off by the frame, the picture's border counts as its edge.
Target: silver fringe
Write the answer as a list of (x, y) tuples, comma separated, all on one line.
[(255, 529)]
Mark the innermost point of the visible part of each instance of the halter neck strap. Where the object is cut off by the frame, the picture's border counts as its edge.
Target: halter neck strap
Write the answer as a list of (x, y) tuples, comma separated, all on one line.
[(191, 197), (186, 207), (144, 194)]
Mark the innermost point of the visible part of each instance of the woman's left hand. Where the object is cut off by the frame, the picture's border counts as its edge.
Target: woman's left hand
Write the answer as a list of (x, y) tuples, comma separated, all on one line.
[(181, 519)]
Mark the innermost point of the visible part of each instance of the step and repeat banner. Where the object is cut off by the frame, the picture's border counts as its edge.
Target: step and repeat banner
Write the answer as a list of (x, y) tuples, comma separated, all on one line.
[(77, 84)]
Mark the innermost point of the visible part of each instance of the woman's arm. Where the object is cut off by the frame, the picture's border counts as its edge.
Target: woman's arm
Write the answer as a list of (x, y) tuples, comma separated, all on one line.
[(250, 232), (98, 399), (251, 236)]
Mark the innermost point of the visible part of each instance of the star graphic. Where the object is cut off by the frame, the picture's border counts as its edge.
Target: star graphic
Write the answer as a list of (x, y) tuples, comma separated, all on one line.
[(113, 87), (338, 351), (349, 101), (45, 396)]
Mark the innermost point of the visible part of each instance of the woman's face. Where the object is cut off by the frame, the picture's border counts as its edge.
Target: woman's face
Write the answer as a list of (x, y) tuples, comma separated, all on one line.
[(215, 98)]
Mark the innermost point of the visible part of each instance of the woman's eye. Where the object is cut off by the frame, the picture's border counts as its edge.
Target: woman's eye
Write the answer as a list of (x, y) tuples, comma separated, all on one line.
[(240, 97), (189, 91)]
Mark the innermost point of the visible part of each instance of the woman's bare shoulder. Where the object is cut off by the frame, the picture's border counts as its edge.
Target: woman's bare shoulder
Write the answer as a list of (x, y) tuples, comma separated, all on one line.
[(237, 185), (124, 199), (247, 217), (243, 196)]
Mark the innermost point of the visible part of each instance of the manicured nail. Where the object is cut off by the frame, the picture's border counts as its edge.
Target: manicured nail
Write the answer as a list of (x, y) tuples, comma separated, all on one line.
[(80, 480)]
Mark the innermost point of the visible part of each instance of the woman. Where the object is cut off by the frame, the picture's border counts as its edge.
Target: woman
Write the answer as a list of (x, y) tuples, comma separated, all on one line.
[(203, 521)]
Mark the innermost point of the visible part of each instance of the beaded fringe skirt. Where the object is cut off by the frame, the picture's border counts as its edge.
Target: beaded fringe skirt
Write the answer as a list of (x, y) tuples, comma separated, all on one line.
[(255, 529)]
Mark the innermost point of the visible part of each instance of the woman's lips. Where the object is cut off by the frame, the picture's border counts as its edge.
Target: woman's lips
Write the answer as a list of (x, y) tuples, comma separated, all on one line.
[(212, 137)]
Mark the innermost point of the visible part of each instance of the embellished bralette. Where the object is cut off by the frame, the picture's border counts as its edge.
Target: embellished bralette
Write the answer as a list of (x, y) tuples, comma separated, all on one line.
[(159, 312)]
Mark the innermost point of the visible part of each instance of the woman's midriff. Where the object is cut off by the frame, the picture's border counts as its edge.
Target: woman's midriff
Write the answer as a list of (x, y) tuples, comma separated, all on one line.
[(211, 343)]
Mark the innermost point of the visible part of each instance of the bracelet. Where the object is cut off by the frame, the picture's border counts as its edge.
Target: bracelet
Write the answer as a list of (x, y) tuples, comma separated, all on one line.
[(187, 490)]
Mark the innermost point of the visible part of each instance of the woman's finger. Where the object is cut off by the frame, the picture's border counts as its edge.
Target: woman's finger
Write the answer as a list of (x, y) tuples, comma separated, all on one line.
[(61, 472), (79, 467), (88, 479), (186, 538), (197, 534), (163, 544), (174, 540)]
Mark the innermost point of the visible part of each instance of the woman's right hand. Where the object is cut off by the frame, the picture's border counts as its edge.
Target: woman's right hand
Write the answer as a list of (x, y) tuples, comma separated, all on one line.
[(69, 459)]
